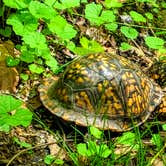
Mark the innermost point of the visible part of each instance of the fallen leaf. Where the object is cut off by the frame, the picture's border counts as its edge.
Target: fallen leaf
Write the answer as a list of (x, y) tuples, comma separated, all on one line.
[(55, 149), (8, 78), (8, 75)]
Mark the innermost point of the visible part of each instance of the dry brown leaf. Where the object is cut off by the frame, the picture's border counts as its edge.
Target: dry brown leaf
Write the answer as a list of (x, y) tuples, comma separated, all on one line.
[(8, 75), (8, 78), (55, 149), (158, 162)]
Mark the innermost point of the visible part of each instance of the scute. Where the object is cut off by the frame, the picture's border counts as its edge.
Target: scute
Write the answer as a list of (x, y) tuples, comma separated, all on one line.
[(104, 90)]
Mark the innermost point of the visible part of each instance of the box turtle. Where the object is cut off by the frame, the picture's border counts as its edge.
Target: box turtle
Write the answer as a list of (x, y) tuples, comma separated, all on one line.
[(103, 90)]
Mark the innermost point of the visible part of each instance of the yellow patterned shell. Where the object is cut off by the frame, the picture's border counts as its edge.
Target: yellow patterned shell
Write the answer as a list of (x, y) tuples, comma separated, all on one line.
[(103, 90), (158, 72)]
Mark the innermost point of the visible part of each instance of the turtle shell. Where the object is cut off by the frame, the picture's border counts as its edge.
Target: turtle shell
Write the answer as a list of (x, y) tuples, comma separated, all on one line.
[(103, 90)]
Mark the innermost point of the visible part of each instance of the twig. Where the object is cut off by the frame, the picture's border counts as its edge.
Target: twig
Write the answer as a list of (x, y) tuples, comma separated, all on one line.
[(25, 150)]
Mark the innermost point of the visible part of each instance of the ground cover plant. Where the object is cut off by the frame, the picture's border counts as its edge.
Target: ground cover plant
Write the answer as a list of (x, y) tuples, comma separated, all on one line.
[(38, 39)]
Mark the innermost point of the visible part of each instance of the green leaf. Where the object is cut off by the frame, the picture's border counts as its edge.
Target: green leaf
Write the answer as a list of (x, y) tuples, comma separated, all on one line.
[(91, 149), (4, 127), (27, 56), (84, 1), (125, 46), (62, 28), (13, 113), (52, 63), (59, 162), (154, 42), (21, 114), (149, 15), (95, 15), (88, 46), (6, 32), (10, 103), (107, 16), (41, 10), (111, 26), (24, 77), (82, 149), (137, 17), (44, 52), (35, 40), (18, 4), (95, 132), (66, 4), (112, 4), (49, 159), (156, 140), (163, 4), (22, 23), (92, 12), (50, 2), (71, 46), (129, 32), (127, 138), (103, 150), (36, 68), (12, 61), (164, 127)]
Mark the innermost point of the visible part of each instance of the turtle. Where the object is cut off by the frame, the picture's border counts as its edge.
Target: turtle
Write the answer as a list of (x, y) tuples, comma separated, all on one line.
[(103, 90)]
